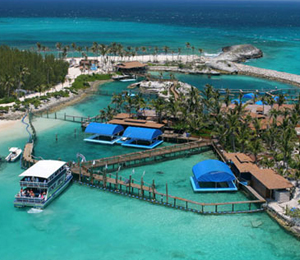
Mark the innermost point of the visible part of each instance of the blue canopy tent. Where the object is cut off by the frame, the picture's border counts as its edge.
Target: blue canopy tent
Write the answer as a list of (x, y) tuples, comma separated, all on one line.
[(103, 133), (259, 103), (140, 137), (249, 95), (212, 175)]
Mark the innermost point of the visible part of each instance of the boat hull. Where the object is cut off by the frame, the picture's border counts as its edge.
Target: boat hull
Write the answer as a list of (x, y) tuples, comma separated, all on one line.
[(36, 203)]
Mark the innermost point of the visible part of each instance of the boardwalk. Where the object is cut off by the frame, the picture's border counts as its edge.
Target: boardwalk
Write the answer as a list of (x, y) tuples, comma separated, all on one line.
[(143, 157)]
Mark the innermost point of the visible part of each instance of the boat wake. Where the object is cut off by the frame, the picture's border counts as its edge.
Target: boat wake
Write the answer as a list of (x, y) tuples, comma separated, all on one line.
[(34, 211)]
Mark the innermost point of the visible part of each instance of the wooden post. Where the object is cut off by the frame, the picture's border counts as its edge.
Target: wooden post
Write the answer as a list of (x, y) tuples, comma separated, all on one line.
[(55, 115), (73, 118), (249, 206), (153, 189), (142, 183), (129, 183), (116, 186), (104, 178), (202, 208), (186, 205), (216, 210), (167, 193), (65, 117), (232, 207), (56, 138), (80, 173), (91, 176), (174, 202)]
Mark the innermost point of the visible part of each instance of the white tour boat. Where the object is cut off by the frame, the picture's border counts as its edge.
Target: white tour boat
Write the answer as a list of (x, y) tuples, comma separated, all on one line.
[(42, 182), (14, 154)]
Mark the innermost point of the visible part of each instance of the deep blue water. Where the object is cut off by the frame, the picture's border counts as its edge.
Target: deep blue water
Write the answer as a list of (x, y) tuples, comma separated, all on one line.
[(272, 26)]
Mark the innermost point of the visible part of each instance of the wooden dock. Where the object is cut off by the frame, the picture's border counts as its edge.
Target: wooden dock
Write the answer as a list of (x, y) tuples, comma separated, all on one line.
[(142, 158)]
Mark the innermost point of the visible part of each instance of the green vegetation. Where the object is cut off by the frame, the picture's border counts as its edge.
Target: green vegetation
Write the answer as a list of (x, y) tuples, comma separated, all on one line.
[(208, 114), (82, 81), (28, 71)]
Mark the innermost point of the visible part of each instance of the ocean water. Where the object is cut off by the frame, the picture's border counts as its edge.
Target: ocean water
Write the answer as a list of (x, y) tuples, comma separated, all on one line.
[(85, 223), (272, 26)]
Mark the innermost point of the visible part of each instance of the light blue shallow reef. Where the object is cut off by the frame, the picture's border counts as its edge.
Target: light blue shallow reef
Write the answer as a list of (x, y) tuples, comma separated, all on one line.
[(86, 223)]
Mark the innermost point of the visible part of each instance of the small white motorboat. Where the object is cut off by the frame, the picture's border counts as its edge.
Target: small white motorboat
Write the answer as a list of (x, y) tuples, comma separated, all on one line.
[(15, 153)]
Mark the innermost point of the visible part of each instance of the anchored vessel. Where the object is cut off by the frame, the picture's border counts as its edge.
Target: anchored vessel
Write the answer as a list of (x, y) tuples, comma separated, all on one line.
[(42, 182), (14, 154)]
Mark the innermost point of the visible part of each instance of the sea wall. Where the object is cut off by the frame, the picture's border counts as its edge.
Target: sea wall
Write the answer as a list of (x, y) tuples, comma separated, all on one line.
[(284, 77)]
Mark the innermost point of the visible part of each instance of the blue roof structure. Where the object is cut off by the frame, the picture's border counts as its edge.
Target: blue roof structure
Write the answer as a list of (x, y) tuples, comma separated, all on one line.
[(249, 95), (139, 133), (104, 129), (259, 103), (213, 171)]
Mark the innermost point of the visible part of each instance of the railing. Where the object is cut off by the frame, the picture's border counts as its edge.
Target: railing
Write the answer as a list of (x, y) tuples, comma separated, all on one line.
[(148, 153), (34, 184), (24, 199)]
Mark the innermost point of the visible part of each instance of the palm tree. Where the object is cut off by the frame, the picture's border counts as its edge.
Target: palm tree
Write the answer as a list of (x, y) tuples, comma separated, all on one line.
[(73, 47), (188, 46), (8, 84), (58, 47), (166, 49), (179, 52), (158, 105), (144, 50), (39, 46), (200, 51), (256, 147)]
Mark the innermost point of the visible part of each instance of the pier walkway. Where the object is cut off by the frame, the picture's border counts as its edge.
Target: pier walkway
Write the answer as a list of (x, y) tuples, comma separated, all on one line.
[(111, 164)]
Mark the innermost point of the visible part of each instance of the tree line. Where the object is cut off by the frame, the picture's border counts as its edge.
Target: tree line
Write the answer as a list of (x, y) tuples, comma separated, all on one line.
[(22, 71), (116, 49), (208, 113)]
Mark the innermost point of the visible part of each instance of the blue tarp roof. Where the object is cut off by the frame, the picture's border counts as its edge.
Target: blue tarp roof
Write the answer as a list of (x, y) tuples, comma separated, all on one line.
[(140, 133), (249, 95), (212, 171), (104, 129), (259, 102)]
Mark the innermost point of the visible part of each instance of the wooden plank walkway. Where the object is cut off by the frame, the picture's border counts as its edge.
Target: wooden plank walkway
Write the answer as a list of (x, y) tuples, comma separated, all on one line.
[(140, 158)]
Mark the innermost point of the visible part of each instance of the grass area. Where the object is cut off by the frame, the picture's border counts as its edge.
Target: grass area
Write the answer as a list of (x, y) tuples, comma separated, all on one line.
[(82, 81), (7, 100)]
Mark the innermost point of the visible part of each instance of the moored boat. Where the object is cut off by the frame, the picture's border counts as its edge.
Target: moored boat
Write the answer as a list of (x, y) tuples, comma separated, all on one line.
[(42, 183), (14, 154)]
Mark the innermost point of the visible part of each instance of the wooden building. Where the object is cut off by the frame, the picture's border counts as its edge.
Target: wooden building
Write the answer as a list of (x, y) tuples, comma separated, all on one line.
[(132, 67), (266, 182)]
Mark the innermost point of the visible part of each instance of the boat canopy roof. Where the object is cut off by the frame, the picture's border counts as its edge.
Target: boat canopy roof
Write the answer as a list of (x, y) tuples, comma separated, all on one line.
[(212, 171), (103, 129), (13, 149), (43, 169), (141, 133)]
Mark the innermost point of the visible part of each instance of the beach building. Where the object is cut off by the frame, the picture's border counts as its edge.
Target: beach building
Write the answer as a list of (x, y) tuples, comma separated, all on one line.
[(103, 133), (212, 175), (132, 67), (138, 137), (266, 182), (126, 120)]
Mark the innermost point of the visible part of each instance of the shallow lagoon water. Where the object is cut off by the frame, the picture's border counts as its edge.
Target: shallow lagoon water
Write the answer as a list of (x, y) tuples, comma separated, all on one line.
[(85, 223)]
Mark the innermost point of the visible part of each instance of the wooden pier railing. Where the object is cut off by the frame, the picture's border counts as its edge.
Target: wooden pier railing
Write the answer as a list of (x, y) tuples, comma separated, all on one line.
[(147, 192), (143, 157)]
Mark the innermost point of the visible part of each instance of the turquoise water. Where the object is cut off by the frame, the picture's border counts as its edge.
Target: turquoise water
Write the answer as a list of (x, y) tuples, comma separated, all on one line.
[(85, 223), (273, 27)]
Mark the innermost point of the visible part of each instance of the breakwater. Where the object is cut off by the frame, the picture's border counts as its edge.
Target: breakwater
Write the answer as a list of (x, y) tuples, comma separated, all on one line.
[(284, 77)]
